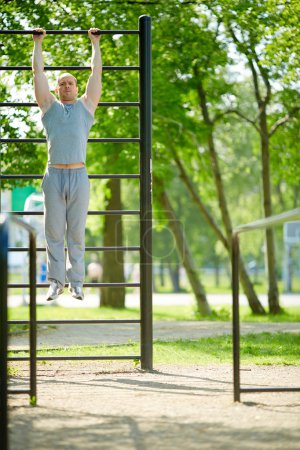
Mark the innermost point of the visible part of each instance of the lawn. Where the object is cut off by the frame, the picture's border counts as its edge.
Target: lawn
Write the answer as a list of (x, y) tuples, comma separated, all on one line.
[(261, 348), (222, 313)]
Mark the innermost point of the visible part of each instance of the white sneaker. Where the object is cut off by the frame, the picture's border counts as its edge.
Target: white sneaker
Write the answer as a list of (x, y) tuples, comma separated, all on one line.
[(54, 291), (76, 292)]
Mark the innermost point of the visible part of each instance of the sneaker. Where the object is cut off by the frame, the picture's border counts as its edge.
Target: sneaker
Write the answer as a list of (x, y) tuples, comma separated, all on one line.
[(76, 292), (54, 290)]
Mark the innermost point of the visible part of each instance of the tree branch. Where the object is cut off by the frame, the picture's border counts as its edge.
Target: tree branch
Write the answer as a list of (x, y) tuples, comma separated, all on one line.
[(283, 120), (238, 113), (264, 76), (250, 62)]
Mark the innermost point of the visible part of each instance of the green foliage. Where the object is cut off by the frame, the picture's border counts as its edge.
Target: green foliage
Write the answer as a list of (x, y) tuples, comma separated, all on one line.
[(33, 401), (191, 41)]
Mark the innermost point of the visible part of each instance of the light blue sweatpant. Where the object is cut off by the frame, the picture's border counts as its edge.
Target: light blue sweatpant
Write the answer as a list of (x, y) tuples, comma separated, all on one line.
[(66, 200)]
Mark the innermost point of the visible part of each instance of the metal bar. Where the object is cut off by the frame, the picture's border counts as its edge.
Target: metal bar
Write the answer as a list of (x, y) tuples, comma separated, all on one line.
[(32, 315), (262, 224), (272, 389), (3, 332), (19, 391), (146, 192), (91, 177), (74, 322), (43, 249), (90, 213), (269, 222), (112, 104), (235, 317), (43, 140), (20, 68), (72, 358), (69, 32), (45, 285)]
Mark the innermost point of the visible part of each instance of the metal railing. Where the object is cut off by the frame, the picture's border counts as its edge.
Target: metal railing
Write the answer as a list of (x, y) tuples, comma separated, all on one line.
[(145, 178), (4, 391), (262, 224)]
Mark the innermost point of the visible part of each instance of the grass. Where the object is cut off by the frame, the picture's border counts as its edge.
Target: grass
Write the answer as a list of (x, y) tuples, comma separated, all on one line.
[(261, 348), (224, 286), (221, 313)]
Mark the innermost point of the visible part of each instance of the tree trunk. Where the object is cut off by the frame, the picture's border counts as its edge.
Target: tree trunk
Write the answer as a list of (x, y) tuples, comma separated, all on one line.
[(174, 275), (273, 294), (113, 261), (217, 272), (184, 252), (161, 275)]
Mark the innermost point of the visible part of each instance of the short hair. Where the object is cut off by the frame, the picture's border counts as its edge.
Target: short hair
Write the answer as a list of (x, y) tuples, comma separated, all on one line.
[(65, 74)]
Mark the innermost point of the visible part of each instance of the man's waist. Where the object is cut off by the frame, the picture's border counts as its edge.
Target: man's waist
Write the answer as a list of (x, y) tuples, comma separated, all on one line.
[(67, 166)]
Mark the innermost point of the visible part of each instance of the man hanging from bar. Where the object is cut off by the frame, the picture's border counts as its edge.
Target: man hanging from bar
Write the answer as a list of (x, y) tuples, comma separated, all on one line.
[(65, 185)]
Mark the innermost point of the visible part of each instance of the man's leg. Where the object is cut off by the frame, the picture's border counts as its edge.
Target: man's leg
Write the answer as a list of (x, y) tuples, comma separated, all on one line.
[(77, 208), (55, 224)]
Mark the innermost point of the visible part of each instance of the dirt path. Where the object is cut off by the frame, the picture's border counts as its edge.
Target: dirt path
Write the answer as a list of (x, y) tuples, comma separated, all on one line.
[(111, 406), (67, 335)]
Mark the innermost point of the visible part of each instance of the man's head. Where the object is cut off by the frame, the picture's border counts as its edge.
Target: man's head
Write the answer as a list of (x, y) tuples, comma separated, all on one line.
[(67, 88)]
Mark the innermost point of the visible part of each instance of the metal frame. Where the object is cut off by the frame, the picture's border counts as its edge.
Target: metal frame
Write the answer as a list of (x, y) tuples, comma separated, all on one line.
[(257, 225), (4, 391), (145, 177), (3, 331)]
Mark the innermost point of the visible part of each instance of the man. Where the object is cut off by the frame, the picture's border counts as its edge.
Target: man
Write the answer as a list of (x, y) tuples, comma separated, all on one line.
[(67, 123)]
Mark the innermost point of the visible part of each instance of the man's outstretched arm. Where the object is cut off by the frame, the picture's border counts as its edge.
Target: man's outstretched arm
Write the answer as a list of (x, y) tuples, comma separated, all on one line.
[(42, 92), (94, 84)]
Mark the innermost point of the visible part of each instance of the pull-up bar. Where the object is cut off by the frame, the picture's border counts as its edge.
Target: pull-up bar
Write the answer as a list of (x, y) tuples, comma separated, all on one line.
[(70, 68), (69, 32)]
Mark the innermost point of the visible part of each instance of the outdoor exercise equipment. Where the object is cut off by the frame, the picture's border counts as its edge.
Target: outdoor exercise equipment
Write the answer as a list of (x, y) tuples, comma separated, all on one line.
[(144, 213), (262, 224), (4, 239)]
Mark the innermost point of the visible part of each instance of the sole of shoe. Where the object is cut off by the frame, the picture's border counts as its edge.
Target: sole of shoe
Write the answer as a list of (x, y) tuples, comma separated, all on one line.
[(49, 299), (78, 297), (74, 295)]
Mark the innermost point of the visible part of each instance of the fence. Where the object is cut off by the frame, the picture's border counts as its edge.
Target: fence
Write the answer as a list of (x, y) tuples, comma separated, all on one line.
[(257, 225)]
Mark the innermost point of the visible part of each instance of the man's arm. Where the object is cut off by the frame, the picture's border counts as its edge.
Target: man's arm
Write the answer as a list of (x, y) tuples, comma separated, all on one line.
[(92, 93), (42, 92)]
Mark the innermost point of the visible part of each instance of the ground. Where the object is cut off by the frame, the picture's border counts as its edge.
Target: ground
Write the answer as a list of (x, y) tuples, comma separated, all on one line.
[(102, 405)]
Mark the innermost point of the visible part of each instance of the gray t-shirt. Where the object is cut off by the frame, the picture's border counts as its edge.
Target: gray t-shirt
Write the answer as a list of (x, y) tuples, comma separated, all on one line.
[(67, 128)]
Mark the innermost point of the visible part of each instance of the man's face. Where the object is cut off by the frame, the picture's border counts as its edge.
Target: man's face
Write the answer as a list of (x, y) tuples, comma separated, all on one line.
[(67, 89)]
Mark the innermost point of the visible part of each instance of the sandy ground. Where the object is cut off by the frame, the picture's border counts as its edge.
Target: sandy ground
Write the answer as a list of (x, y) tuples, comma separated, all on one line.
[(102, 405)]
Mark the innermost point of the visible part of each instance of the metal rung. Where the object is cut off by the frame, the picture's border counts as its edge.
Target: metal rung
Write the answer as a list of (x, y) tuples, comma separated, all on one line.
[(74, 322), (70, 358), (112, 248), (19, 391), (113, 104), (272, 389), (70, 32), (43, 140), (90, 213), (91, 177), (45, 285), (70, 68)]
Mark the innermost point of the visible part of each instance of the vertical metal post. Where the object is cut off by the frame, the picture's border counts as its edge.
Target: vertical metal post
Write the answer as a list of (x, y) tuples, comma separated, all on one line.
[(235, 317), (145, 94), (3, 332), (32, 319)]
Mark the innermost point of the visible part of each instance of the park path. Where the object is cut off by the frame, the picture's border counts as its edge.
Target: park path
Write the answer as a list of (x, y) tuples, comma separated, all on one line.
[(98, 406), (68, 335)]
